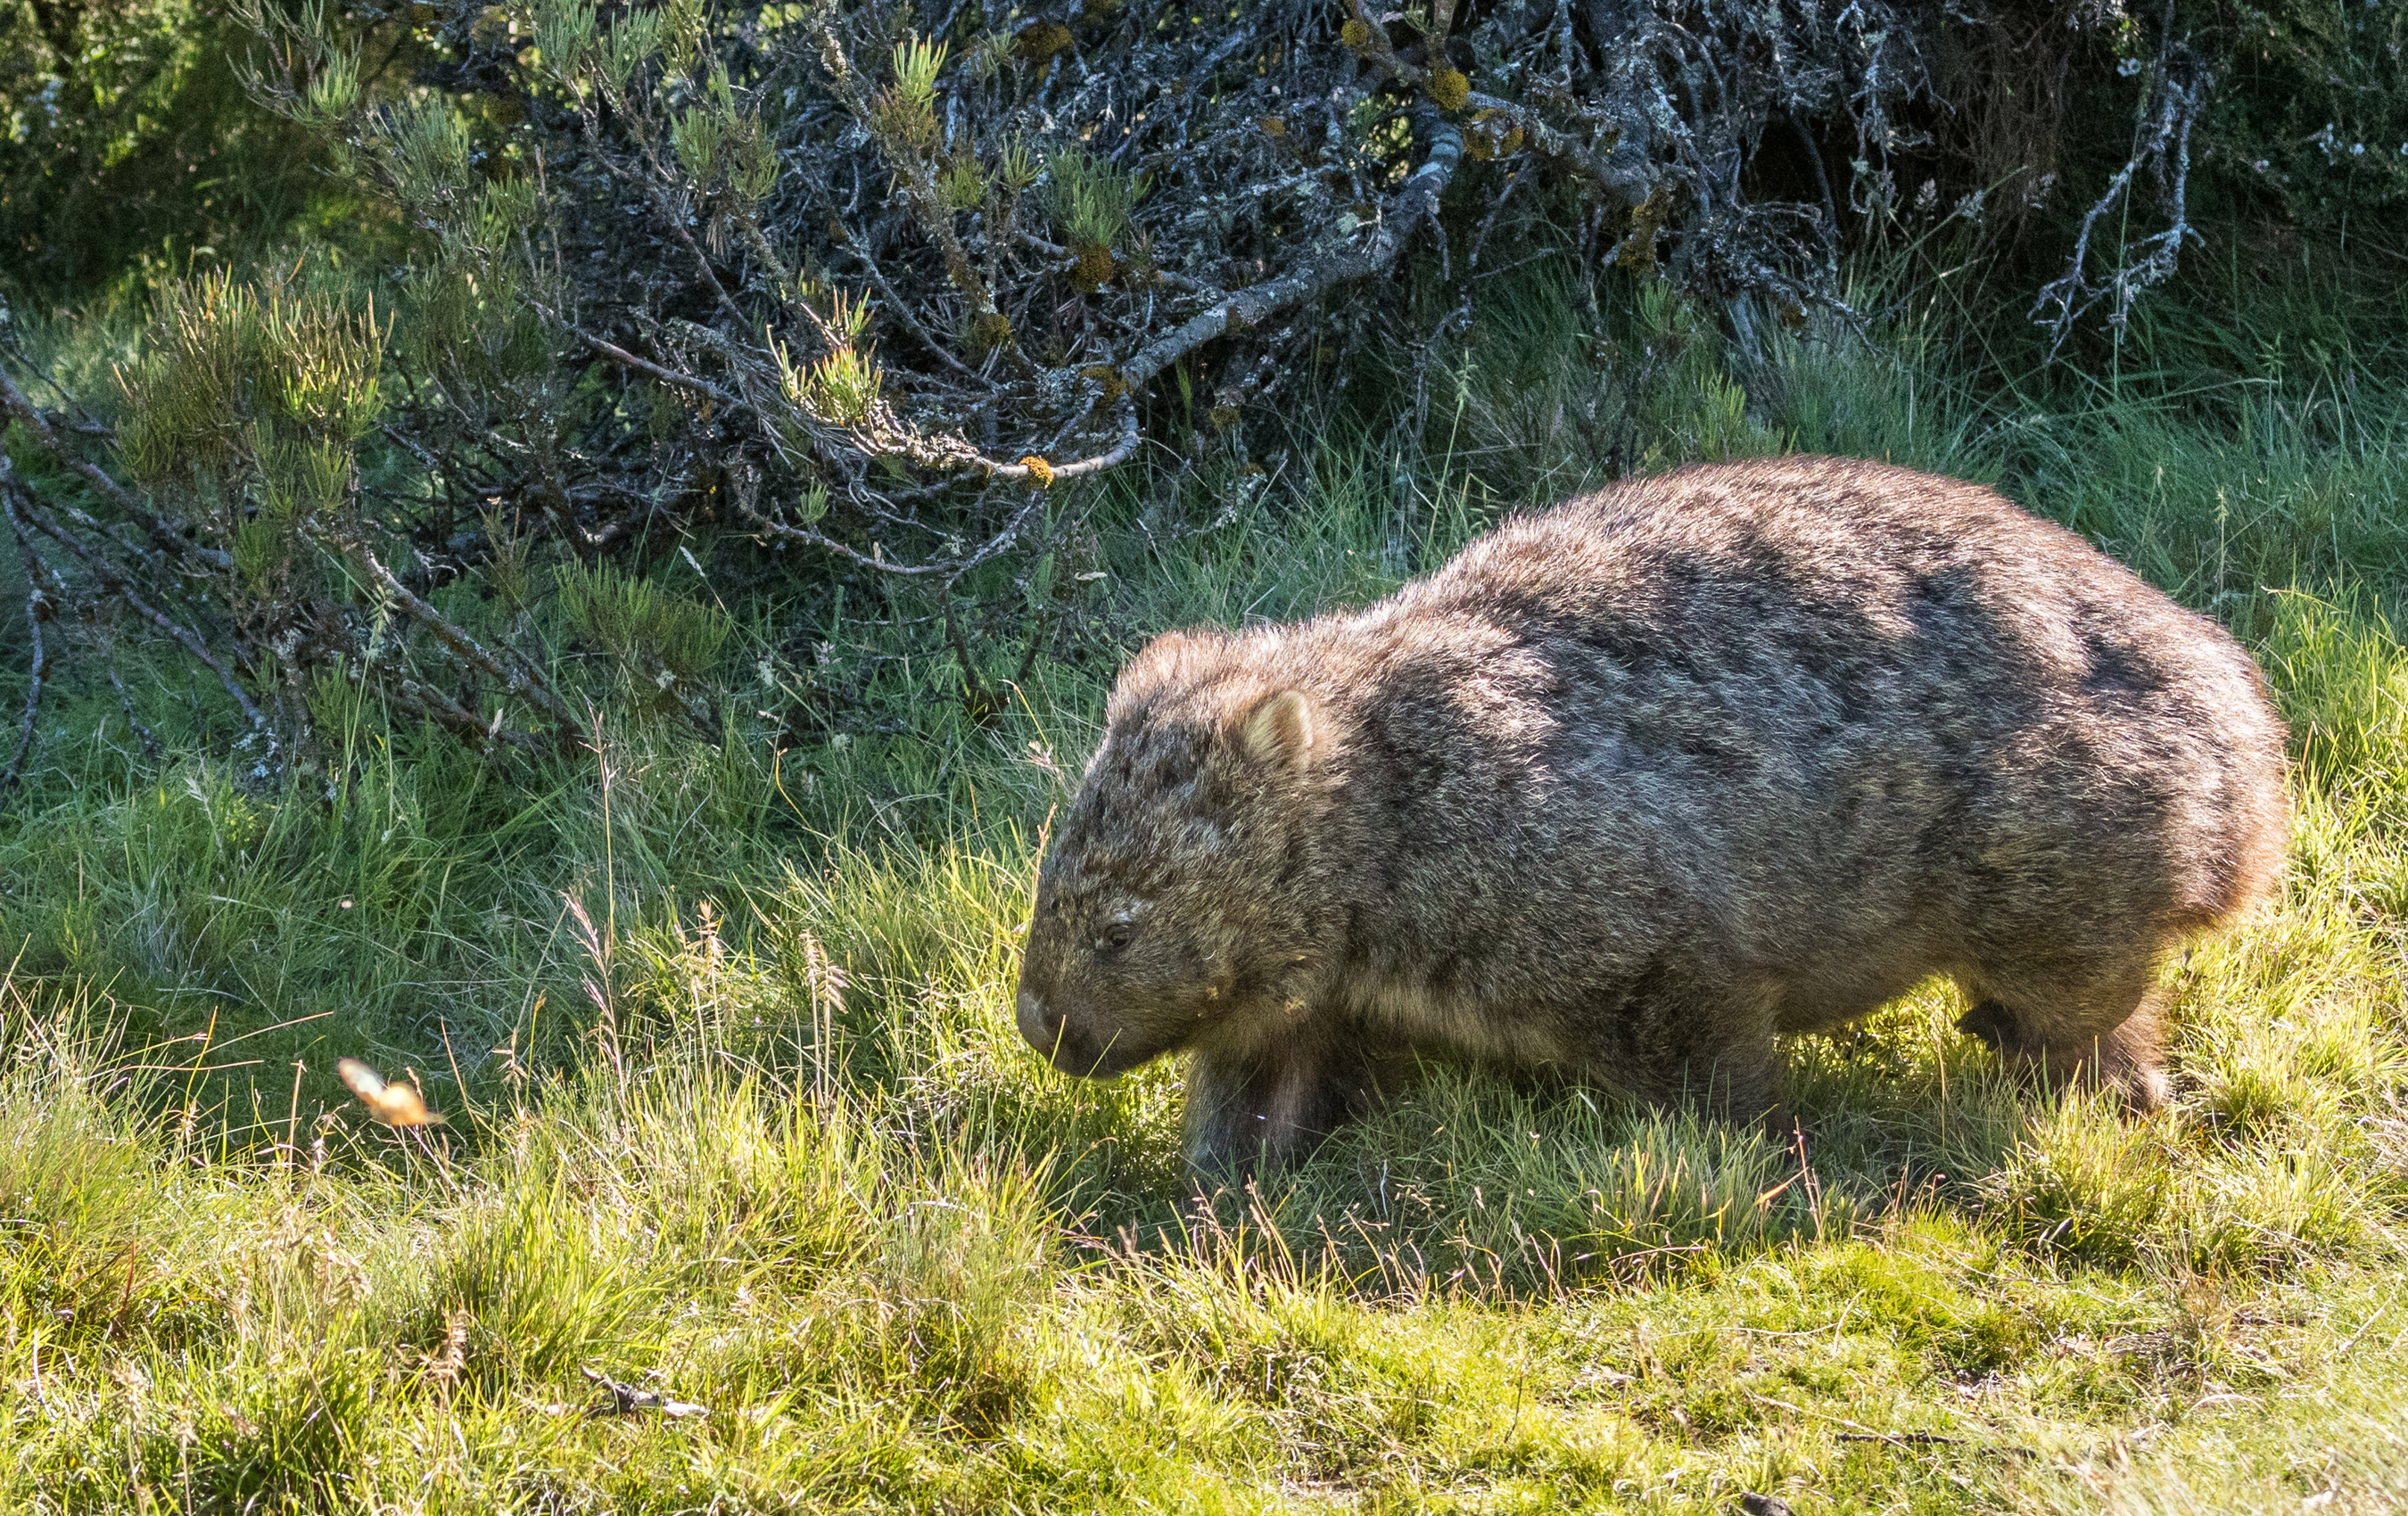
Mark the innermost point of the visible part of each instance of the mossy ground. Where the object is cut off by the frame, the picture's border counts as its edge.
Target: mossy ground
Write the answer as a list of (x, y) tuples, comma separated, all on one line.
[(738, 1113)]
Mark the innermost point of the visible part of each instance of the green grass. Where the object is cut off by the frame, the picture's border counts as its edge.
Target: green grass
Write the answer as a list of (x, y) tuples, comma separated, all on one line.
[(738, 1114)]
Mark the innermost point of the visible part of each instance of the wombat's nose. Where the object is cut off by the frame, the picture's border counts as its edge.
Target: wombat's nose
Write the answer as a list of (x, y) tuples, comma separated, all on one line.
[(1041, 1027)]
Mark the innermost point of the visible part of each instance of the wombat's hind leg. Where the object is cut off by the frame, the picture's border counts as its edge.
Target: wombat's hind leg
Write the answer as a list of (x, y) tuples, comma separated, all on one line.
[(1260, 1111), (2127, 1057), (2132, 1056)]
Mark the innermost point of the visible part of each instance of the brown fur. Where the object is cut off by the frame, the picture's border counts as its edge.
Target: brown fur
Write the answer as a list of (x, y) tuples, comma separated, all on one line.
[(1633, 786)]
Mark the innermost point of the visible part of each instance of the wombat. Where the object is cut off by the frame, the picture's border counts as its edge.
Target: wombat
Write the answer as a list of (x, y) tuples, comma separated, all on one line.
[(1634, 786)]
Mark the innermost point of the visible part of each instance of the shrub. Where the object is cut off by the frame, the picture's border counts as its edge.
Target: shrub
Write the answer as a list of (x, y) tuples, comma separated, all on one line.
[(888, 286)]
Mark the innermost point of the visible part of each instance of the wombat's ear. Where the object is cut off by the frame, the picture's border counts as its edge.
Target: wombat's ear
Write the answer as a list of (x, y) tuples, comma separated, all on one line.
[(1281, 728)]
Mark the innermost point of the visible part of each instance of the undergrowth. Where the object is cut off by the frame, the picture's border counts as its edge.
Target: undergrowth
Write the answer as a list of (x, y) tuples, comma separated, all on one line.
[(738, 1118)]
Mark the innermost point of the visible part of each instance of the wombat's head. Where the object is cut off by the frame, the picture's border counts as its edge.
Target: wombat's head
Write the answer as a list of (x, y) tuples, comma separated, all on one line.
[(1176, 902)]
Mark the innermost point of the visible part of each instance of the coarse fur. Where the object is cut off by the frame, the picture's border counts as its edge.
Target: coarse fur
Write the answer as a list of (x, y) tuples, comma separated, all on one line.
[(1632, 787)]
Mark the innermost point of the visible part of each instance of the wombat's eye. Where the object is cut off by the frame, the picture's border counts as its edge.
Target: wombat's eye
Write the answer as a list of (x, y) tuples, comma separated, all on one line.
[(1115, 937)]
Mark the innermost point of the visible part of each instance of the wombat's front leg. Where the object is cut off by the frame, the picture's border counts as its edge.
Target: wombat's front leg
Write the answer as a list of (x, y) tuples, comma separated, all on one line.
[(1260, 1110), (1702, 1047), (1741, 1086)]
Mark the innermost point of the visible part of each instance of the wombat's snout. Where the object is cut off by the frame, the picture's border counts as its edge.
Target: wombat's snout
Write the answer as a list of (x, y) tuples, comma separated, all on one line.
[(1050, 1033), (1040, 1026), (1068, 1046)]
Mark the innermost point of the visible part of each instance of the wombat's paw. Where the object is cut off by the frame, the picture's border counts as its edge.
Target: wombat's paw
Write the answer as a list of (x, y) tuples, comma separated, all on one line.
[(2127, 1060), (2144, 1089), (1235, 1146), (1991, 1022), (2139, 1089), (2131, 1059), (2139, 1084), (1267, 1109)]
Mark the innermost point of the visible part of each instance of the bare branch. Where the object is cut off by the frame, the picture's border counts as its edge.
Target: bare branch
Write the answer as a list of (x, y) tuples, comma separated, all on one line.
[(519, 681), (416, 698), (949, 570), (1414, 204), (169, 534), (2174, 104), (37, 611), (1121, 452), (114, 581), (624, 359)]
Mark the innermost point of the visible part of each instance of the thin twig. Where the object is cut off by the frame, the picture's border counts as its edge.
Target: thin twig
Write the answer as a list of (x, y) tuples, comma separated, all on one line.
[(1906, 1439), (620, 356), (950, 568), (899, 305), (125, 697)]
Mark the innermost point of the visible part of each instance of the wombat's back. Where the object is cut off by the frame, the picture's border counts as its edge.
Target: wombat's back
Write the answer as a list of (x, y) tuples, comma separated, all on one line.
[(1849, 711)]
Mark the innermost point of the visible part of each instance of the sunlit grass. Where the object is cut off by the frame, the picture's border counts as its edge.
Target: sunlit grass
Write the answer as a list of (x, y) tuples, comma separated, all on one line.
[(738, 1115)]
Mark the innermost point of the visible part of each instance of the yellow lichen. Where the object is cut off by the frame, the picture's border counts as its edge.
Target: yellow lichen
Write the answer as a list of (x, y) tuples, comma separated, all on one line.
[(1274, 126), (1093, 268), (1449, 88), (989, 330), (1356, 35), (1038, 43), (1039, 471), (1110, 378), (1638, 248)]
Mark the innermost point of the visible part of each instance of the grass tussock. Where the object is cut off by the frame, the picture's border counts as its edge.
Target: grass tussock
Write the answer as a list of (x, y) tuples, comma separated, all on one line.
[(738, 1119)]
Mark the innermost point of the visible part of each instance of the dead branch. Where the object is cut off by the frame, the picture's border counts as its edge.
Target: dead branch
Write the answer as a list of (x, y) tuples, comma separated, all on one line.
[(113, 581), (171, 536), (2178, 97), (1415, 203), (519, 680)]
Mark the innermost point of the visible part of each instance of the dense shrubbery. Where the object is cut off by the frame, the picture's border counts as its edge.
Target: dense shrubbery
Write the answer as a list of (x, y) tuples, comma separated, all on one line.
[(886, 284)]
